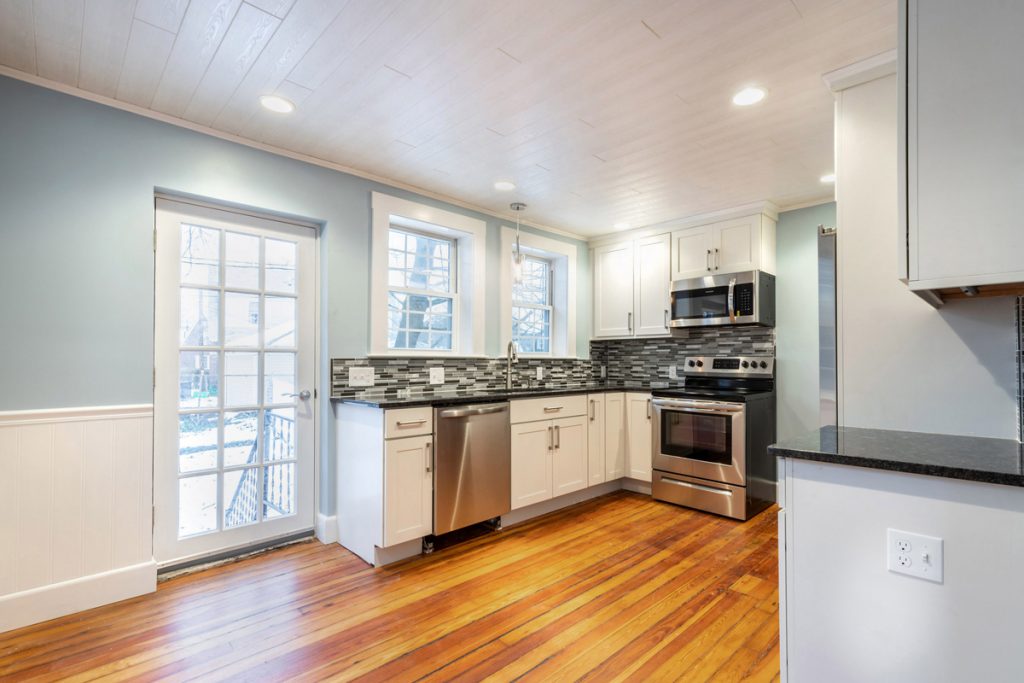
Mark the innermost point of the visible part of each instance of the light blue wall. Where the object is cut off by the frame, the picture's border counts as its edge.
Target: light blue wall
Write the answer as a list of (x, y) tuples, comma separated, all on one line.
[(76, 264), (796, 309)]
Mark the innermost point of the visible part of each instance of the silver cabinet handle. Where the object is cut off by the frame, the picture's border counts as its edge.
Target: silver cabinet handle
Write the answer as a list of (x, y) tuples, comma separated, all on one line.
[(716, 259), (428, 450), (551, 439), (629, 321), (302, 395), (648, 409), (558, 436), (707, 260), (591, 415), (666, 318), (410, 423), (475, 410), (552, 409)]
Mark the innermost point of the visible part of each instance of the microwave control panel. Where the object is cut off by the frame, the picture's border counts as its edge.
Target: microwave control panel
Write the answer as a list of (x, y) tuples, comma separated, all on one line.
[(743, 299)]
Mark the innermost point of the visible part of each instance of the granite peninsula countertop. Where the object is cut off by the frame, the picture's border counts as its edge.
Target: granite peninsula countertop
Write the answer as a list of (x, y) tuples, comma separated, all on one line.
[(398, 398), (994, 461)]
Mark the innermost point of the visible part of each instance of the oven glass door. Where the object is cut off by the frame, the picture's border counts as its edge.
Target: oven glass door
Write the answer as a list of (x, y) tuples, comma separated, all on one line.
[(697, 436), (700, 304)]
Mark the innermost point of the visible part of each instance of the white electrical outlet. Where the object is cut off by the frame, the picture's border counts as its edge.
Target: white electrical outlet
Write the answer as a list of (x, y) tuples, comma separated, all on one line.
[(540, 372), (604, 371), (437, 375), (673, 372), (914, 554), (361, 377)]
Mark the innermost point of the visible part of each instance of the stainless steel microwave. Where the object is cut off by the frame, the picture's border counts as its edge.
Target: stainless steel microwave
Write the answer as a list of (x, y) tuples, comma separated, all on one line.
[(746, 298)]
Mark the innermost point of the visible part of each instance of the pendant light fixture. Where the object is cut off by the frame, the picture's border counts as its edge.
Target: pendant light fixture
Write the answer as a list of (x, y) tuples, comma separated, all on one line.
[(517, 250)]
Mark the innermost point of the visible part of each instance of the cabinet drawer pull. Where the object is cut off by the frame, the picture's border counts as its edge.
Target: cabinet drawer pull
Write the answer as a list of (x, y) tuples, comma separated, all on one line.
[(552, 409), (551, 439), (410, 423)]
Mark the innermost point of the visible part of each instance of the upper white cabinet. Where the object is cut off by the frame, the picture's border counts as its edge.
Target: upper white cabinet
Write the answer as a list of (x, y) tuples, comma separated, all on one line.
[(959, 72), (728, 246), (631, 288)]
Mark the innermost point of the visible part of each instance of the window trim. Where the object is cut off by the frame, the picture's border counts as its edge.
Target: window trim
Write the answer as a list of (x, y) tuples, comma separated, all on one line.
[(563, 258), (470, 236)]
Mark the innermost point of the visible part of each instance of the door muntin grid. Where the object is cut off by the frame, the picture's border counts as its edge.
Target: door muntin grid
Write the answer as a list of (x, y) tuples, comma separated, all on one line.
[(238, 346)]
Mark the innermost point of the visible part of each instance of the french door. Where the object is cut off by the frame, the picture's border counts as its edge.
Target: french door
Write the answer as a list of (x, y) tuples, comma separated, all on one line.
[(234, 399)]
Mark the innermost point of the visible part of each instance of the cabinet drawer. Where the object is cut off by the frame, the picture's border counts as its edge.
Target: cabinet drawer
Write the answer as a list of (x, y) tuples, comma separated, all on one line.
[(548, 408), (408, 422)]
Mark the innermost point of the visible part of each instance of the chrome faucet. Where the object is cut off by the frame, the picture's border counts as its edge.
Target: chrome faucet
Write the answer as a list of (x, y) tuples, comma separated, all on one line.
[(512, 356)]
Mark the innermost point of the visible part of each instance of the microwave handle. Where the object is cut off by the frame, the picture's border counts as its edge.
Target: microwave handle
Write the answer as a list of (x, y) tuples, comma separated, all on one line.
[(732, 291)]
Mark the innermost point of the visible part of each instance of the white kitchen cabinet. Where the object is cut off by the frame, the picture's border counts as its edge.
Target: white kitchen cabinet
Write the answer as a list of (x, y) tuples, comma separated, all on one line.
[(959, 67), (569, 458), (631, 288), (652, 286), (614, 435), (408, 489), (729, 246), (639, 421), (531, 463), (613, 290), (595, 439)]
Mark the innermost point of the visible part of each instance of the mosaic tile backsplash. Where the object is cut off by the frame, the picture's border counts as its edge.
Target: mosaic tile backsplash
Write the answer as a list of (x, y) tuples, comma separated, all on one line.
[(626, 360)]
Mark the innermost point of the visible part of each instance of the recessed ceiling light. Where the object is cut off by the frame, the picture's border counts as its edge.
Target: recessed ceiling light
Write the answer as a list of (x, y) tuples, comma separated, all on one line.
[(748, 96), (828, 178), (277, 104), (623, 226), (504, 185)]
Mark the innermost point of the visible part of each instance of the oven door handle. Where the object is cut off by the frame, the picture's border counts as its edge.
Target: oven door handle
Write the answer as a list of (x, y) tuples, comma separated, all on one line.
[(697, 406), (699, 487)]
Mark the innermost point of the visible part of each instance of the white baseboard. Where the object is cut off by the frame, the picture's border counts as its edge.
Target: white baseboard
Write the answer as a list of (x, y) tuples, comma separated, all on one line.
[(637, 486), (60, 599), (326, 528)]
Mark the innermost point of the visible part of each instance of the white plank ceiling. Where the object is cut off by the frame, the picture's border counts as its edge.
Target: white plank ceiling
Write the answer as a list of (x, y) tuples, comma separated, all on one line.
[(601, 111)]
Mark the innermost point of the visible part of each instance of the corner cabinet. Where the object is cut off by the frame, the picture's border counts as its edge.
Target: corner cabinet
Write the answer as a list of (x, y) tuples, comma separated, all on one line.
[(728, 246), (631, 288), (614, 436), (960, 147), (639, 432)]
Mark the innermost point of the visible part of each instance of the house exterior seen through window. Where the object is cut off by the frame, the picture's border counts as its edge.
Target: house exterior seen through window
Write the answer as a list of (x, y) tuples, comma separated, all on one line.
[(531, 307), (422, 303)]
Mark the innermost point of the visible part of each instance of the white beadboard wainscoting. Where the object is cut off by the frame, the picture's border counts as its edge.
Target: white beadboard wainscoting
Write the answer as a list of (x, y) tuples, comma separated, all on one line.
[(76, 497)]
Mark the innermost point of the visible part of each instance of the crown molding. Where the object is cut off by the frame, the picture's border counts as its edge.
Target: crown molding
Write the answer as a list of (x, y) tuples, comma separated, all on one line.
[(861, 72), (271, 149)]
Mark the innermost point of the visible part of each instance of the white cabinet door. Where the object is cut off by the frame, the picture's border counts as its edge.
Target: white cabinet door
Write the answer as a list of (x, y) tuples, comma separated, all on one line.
[(691, 252), (531, 463), (613, 290), (638, 429), (595, 438), (736, 245), (569, 463), (614, 436), (652, 286), (408, 489)]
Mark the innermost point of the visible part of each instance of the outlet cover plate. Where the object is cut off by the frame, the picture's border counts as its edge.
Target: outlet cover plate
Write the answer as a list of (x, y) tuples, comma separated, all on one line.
[(437, 375), (914, 555), (361, 377), (673, 372), (540, 372)]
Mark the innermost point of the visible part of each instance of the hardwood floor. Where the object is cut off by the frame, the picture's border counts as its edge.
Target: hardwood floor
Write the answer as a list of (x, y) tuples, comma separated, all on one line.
[(617, 588)]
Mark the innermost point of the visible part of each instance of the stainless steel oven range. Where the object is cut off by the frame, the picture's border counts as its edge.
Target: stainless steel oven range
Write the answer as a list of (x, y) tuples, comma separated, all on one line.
[(711, 438)]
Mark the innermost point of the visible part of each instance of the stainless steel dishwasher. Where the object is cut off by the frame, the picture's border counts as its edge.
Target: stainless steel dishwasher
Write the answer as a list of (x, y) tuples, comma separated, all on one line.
[(472, 465)]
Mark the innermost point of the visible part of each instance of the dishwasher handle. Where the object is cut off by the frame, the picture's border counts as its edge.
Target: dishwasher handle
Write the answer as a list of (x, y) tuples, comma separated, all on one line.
[(474, 410)]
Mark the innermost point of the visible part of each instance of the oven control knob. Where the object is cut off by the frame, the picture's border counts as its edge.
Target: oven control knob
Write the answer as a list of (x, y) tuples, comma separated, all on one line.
[(763, 365), (691, 363), (746, 364), (700, 364)]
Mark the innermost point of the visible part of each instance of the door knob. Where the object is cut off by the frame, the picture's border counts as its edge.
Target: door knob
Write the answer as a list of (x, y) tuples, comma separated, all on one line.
[(303, 395)]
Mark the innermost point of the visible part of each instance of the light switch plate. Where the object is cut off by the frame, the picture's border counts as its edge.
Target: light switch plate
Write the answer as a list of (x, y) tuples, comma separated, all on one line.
[(437, 375), (361, 377), (914, 555), (540, 372), (604, 371)]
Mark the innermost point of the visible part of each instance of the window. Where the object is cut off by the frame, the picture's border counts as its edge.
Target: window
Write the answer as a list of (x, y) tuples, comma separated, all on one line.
[(421, 291), (531, 307), (427, 280)]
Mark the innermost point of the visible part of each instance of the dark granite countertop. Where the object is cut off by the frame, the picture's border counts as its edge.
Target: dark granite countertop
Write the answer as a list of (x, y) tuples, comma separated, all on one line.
[(995, 461), (392, 398)]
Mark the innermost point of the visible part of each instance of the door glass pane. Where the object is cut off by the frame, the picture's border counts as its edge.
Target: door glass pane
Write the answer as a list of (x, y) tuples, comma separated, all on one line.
[(200, 255), (198, 379), (197, 505), (279, 490), (241, 497), (241, 319), (280, 266), (279, 434), (241, 261), (241, 375), (279, 321), (240, 430), (278, 377), (197, 441), (199, 323)]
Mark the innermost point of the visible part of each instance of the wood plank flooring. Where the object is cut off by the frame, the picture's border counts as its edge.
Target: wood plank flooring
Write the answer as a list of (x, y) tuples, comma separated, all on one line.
[(617, 588)]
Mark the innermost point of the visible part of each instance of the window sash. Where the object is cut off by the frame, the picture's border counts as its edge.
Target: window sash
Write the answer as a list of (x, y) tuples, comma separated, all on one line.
[(449, 294), (548, 284), (453, 261)]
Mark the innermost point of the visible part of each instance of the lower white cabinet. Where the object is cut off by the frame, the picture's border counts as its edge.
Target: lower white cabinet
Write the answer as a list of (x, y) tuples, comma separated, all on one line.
[(569, 471), (408, 489), (531, 463), (549, 457), (639, 432), (595, 439), (614, 436)]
